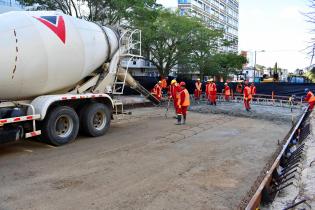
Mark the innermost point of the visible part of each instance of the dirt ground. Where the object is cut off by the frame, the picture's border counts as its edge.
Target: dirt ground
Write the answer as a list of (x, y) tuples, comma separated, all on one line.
[(144, 162)]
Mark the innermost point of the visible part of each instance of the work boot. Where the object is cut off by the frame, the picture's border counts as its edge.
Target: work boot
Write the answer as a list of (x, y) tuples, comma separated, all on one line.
[(184, 122), (179, 120)]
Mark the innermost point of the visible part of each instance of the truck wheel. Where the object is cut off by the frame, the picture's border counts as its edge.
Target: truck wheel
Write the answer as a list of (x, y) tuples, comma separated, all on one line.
[(95, 119), (60, 126)]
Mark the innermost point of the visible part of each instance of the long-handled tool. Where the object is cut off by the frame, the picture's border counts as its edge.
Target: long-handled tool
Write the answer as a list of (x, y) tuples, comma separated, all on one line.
[(168, 107)]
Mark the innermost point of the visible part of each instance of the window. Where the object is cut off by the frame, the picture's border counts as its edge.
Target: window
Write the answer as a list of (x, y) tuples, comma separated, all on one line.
[(184, 1)]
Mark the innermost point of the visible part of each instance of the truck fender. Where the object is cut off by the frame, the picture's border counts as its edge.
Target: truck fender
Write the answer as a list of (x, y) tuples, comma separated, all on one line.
[(43, 103)]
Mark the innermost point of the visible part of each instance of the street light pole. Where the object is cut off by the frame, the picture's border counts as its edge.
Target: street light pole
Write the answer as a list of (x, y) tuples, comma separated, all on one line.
[(255, 66), (256, 63)]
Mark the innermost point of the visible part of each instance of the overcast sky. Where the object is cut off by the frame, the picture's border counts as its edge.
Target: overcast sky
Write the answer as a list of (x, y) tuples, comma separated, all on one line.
[(276, 26)]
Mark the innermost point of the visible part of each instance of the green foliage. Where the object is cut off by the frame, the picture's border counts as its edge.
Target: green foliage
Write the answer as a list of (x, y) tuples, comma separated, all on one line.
[(103, 11), (311, 74), (205, 44), (69, 7), (224, 64), (114, 11), (167, 38)]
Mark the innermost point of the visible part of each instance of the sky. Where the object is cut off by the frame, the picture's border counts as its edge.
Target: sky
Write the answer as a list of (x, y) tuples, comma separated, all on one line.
[(276, 27)]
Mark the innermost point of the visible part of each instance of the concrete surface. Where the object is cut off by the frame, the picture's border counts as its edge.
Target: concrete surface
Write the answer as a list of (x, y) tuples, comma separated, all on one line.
[(144, 162), (270, 113)]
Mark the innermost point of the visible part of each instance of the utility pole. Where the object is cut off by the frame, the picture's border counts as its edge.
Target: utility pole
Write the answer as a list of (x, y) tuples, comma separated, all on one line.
[(255, 66), (256, 63)]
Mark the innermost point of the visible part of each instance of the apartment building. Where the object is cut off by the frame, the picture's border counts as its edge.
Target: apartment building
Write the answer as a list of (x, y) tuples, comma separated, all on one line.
[(218, 14)]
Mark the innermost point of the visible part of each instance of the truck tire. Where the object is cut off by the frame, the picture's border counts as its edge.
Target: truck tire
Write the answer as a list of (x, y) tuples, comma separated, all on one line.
[(60, 126), (95, 119)]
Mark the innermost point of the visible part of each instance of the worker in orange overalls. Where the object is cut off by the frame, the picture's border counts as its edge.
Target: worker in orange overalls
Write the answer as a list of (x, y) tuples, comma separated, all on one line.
[(183, 104), (212, 93), (247, 97), (174, 90), (198, 90), (207, 90), (310, 98), (227, 92), (239, 88), (157, 90), (253, 89), (163, 83)]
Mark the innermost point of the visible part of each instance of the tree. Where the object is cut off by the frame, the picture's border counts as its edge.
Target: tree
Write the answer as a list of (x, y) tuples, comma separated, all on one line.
[(69, 7), (102, 11), (225, 64), (310, 18), (115, 11), (205, 44), (167, 38)]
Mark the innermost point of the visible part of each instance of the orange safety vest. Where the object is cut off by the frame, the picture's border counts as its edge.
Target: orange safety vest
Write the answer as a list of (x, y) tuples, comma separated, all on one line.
[(212, 87), (311, 98), (239, 88), (227, 91), (247, 93), (186, 101), (164, 84), (253, 90), (207, 88), (157, 90), (198, 86)]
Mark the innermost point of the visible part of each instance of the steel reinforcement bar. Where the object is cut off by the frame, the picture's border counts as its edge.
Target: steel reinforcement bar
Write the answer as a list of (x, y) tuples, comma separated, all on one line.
[(280, 101), (265, 185)]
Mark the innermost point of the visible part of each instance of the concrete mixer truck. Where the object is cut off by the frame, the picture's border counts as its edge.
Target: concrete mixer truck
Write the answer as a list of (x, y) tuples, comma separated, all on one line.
[(58, 75)]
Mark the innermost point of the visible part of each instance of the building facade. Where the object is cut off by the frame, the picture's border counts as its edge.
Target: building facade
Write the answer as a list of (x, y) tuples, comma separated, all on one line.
[(217, 14)]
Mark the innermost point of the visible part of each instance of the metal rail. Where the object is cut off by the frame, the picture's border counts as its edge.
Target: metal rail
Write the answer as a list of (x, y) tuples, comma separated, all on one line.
[(266, 100), (255, 201)]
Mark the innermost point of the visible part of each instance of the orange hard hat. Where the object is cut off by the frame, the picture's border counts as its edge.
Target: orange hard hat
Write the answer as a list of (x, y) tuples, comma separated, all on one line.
[(182, 84)]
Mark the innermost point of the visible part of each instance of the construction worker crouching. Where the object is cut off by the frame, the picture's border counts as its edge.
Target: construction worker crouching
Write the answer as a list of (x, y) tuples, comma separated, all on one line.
[(183, 104), (310, 98), (198, 90), (247, 97), (227, 92)]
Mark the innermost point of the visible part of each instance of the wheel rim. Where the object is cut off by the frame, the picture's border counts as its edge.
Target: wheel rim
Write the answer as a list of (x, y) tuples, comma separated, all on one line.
[(64, 126), (99, 120)]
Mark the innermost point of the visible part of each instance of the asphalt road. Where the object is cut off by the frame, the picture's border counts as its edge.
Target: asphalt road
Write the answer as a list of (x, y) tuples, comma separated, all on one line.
[(144, 162)]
